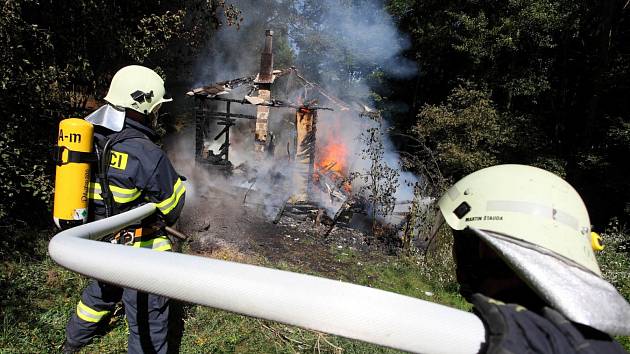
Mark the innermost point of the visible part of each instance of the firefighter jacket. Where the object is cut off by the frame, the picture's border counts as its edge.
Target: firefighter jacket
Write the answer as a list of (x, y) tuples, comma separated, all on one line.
[(139, 172)]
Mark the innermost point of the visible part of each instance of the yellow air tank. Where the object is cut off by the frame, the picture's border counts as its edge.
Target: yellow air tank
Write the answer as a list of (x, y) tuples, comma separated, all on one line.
[(72, 177)]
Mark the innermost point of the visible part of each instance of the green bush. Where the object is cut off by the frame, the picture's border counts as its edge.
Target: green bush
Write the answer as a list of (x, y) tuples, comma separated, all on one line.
[(614, 260), (466, 133)]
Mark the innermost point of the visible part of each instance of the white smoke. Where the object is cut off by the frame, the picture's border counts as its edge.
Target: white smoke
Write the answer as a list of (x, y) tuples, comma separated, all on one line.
[(357, 37), (364, 31)]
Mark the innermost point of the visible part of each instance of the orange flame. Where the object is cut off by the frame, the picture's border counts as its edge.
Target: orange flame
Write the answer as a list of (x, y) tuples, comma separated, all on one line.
[(332, 154), (333, 157), (332, 161)]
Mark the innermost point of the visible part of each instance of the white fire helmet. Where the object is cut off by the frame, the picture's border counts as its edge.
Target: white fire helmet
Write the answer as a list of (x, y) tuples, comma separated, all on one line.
[(133, 87), (538, 224), (136, 87)]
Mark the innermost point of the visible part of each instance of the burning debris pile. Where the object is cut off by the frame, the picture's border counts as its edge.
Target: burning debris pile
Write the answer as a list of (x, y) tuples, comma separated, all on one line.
[(314, 174)]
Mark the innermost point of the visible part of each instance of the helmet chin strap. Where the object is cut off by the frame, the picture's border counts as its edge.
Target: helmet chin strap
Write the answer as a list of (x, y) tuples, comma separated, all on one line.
[(153, 116)]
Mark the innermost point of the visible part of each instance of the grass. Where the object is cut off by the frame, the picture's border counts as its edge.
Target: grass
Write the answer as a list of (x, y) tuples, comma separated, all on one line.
[(402, 275), (614, 262), (38, 297)]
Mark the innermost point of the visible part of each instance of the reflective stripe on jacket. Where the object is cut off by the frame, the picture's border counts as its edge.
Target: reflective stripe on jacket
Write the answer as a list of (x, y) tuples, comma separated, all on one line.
[(139, 172)]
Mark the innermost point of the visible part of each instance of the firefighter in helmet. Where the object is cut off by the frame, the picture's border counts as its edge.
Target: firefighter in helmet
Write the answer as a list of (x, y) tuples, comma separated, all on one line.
[(523, 247), (131, 171)]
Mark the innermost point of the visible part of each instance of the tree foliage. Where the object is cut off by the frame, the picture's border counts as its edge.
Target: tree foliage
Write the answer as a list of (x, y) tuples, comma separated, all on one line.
[(554, 76), (467, 132)]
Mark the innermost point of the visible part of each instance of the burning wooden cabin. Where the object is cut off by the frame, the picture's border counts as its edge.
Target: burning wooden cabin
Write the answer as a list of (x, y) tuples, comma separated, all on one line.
[(304, 149), (318, 172)]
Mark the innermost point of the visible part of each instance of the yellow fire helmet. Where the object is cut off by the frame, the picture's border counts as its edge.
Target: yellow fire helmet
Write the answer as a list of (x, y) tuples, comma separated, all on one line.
[(538, 224)]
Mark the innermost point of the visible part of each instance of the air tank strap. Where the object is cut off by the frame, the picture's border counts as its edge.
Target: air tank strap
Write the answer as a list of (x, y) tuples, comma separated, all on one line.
[(72, 156), (105, 144)]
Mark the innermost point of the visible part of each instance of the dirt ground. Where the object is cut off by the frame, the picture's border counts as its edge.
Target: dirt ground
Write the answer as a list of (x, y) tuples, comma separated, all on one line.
[(234, 229)]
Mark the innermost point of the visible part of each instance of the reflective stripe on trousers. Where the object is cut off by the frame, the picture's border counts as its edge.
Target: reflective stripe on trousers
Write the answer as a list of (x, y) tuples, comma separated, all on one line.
[(161, 243), (88, 314)]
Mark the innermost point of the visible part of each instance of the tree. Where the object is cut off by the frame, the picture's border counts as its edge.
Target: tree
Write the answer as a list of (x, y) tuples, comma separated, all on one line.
[(555, 71), (467, 133)]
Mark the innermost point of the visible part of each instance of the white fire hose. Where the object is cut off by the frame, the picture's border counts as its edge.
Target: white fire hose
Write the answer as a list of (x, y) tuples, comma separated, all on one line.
[(325, 305)]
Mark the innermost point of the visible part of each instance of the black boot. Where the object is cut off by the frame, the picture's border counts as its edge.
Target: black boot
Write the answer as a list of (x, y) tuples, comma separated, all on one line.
[(68, 348)]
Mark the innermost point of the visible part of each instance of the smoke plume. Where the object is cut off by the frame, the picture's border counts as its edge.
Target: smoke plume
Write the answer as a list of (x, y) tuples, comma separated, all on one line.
[(337, 44)]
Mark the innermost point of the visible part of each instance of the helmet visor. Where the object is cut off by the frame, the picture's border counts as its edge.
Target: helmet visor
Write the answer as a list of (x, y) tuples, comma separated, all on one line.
[(578, 293)]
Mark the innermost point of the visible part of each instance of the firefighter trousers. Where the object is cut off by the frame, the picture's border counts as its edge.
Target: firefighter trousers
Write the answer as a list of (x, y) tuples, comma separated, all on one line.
[(154, 321)]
